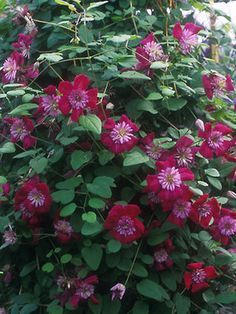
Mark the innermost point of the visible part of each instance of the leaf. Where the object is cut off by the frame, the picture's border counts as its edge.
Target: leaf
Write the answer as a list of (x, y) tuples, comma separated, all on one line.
[(15, 93), (159, 65), (155, 237), (204, 236), (27, 269), (215, 183), (4, 221), (133, 75), (63, 196), (212, 172), (139, 270), (26, 154), (79, 158), (152, 290), (101, 186), (154, 96), (89, 217), (68, 210), (97, 203), (174, 104), (226, 298), (70, 183), (7, 148), (39, 164), (105, 156), (89, 229), (96, 4), (168, 280), (92, 256), (140, 307), (23, 109), (182, 304), (91, 123), (48, 267), (135, 158), (113, 246), (28, 308), (51, 57), (66, 258)]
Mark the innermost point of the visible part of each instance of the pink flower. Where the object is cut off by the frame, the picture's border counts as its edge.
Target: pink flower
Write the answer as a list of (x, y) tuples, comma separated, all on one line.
[(162, 259), (63, 230), (117, 291), (187, 36), (20, 130), (23, 44), (168, 183), (184, 151), (154, 151), (215, 140), (215, 84), (48, 104), (9, 237), (119, 137), (76, 97), (197, 278), (11, 66)]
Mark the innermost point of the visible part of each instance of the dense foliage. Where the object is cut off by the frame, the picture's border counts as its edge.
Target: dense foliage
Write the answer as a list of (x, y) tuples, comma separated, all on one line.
[(118, 160)]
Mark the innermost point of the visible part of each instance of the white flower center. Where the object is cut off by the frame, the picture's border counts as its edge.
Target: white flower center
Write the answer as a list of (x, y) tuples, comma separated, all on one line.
[(36, 198)]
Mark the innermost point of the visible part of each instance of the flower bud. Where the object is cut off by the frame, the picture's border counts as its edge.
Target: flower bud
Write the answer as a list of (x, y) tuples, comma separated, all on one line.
[(118, 291), (231, 194), (110, 106), (200, 125)]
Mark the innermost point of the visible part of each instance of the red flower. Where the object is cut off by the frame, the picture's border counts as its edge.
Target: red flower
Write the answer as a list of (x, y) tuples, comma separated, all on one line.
[(215, 84), (34, 197), (149, 51), (215, 141), (48, 104), (21, 129), (23, 44), (123, 224), (119, 137), (204, 211), (76, 97), (225, 226), (11, 66), (84, 291), (198, 277), (187, 36), (168, 183), (184, 151), (153, 150), (63, 230), (162, 260)]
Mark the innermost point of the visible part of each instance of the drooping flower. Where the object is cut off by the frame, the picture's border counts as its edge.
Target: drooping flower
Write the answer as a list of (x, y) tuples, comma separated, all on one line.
[(168, 183), (184, 151), (33, 196), (162, 259), (119, 137), (225, 226), (200, 125), (215, 140), (204, 211), (63, 230), (84, 291), (149, 51), (23, 44), (9, 237), (217, 85), (153, 150), (186, 36), (76, 97), (117, 291), (198, 276), (20, 130), (123, 224)]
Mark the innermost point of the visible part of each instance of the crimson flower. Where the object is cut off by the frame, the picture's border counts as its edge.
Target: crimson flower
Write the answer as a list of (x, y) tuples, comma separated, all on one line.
[(11, 66), (204, 211), (197, 277), (215, 84), (76, 97), (153, 150), (23, 44), (184, 151), (162, 259), (33, 196), (63, 230), (186, 36), (119, 137), (48, 104), (214, 140), (168, 182), (20, 130), (225, 226), (84, 290), (149, 51), (123, 224)]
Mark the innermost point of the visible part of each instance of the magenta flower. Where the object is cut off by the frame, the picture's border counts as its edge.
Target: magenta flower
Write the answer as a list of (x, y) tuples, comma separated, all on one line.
[(48, 104), (215, 140), (23, 44), (9, 237), (162, 259), (20, 130), (184, 151), (11, 66), (117, 291), (186, 36), (63, 230), (217, 85), (119, 137), (153, 150)]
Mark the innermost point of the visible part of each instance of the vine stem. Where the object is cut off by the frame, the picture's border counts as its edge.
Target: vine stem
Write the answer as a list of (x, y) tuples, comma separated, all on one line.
[(133, 263)]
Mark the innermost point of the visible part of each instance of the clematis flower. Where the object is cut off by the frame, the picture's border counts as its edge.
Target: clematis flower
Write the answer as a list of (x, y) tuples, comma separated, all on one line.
[(33, 196), (20, 130), (217, 85), (9, 237), (119, 137), (215, 141), (123, 224), (23, 44), (168, 183), (48, 104), (162, 259), (186, 36), (63, 230), (198, 276), (11, 66), (84, 291), (149, 51), (76, 97), (184, 151), (225, 226), (154, 151), (117, 291), (204, 211)]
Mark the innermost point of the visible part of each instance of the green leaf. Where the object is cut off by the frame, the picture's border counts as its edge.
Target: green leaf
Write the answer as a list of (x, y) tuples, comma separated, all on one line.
[(159, 65), (69, 183), (212, 172), (91, 123), (105, 156), (226, 298), (96, 203), (15, 93), (96, 4), (4, 221), (133, 75), (79, 158), (63, 196), (204, 236), (89, 217), (3, 180), (215, 183), (101, 186), (68, 210), (23, 109), (39, 164), (154, 96), (91, 229), (140, 307), (66, 258), (155, 237), (27, 269), (182, 304), (67, 140), (7, 148), (174, 104), (51, 57), (48, 267), (28, 308), (135, 158), (152, 290), (168, 280), (92, 256), (27, 153), (139, 270), (113, 246)]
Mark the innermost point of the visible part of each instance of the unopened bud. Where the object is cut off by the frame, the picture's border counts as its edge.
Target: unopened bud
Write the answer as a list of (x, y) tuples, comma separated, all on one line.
[(231, 194), (110, 106), (200, 125)]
